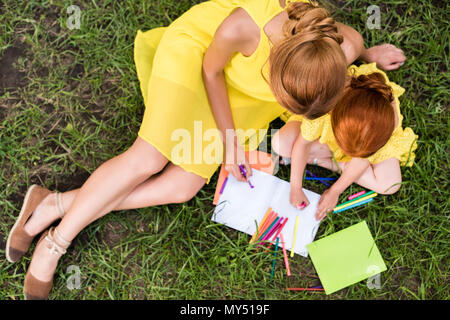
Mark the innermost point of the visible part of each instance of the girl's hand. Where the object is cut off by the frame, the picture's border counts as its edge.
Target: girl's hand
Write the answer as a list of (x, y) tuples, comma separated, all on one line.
[(234, 156), (297, 197), (327, 203)]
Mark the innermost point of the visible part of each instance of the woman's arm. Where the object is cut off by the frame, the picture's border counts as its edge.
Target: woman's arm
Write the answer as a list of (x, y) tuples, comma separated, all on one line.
[(387, 56), (299, 157), (235, 34), (329, 199)]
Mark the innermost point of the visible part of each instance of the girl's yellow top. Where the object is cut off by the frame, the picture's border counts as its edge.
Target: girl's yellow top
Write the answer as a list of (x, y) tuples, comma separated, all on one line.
[(178, 120), (401, 144)]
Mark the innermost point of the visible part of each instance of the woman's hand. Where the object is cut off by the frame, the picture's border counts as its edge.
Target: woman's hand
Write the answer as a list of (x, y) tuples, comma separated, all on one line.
[(235, 155), (387, 56), (298, 197), (327, 203)]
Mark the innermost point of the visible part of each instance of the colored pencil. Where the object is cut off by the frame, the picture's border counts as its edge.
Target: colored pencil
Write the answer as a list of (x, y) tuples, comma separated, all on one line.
[(313, 175), (286, 261), (267, 223), (355, 205), (241, 167), (263, 228), (223, 185), (305, 289), (295, 235), (272, 231), (268, 229), (278, 232), (353, 196), (354, 201), (274, 259), (261, 223), (321, 179)]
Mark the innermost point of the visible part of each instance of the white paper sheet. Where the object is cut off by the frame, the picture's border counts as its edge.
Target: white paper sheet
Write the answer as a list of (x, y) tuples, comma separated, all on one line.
[(239, 206)]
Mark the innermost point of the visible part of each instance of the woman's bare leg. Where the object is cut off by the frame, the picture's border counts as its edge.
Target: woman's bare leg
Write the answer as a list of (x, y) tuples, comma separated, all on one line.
[(172, 185), (384, 177), (102, 191), (160, 189)]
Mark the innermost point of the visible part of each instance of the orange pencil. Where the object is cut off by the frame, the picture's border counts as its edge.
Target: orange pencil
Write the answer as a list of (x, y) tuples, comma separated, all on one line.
[(264, 225), (261, 224), (286, 261)]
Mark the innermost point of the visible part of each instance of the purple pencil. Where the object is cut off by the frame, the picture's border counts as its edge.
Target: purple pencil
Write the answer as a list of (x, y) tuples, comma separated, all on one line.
[(241, 167), (313, 175), (223, 185)]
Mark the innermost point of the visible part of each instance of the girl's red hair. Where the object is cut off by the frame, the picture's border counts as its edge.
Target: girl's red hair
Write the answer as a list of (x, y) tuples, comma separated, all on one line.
[(363, 119)]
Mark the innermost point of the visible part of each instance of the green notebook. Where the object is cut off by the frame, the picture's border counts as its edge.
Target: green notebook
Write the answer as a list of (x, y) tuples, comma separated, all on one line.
[(346, 257)]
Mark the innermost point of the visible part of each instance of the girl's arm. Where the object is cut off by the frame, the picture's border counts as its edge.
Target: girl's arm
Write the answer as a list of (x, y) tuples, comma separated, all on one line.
[(299, 157), (387, 56), (235, 34), (329, 199)]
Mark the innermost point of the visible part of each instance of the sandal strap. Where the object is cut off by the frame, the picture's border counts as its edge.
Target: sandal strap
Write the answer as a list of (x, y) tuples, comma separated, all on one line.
[(54, 247), (60, 205), (60, 238)]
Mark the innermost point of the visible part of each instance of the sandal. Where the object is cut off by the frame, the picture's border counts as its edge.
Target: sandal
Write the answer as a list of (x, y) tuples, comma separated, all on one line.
[(18, 240), (35, 289)]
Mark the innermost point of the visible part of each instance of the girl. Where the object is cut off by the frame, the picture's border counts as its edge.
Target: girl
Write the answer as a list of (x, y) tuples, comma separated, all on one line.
[(206, 71), (362, 137)]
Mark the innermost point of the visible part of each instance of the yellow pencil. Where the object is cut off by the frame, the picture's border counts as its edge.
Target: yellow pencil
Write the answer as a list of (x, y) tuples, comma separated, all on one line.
[(353, 202), (261, 224), (295, 236)]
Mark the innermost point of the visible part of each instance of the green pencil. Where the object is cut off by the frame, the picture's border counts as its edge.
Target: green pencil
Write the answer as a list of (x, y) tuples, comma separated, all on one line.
[(268, 229), (274, 258), (354, 200)]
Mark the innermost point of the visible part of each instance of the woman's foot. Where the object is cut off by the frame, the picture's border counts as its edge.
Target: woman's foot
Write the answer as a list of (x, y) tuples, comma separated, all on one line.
[(39, 277), (19, 239), (48, 211)]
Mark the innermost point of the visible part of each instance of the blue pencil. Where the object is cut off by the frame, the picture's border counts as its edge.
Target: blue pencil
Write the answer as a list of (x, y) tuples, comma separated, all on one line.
[(318, 178), (313, 175), (355, 205)]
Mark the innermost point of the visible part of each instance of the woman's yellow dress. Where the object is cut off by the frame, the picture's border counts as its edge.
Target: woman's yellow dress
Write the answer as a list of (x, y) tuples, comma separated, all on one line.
[(178, 120), (401, 144)]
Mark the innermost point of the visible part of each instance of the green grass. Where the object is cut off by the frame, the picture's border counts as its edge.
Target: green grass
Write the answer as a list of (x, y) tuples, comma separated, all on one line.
[(76, 103)]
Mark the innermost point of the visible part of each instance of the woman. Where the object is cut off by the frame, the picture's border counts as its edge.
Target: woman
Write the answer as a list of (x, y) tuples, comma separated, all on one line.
[(207, 70)]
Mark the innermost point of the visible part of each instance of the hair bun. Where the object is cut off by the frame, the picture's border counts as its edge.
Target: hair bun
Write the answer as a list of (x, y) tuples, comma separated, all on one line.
[(373, 82), (311, 21)]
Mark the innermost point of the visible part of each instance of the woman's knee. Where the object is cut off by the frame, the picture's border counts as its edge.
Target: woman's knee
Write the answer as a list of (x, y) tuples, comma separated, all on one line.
[(145, 159), (184, 195)]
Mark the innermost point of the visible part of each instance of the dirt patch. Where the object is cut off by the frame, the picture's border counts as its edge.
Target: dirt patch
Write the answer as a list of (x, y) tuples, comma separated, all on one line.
[(2, 241), (112, 233), (10, 77)]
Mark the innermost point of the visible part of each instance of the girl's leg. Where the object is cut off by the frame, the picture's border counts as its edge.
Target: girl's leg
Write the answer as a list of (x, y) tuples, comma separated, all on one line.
[(172, 185), (383, 178)]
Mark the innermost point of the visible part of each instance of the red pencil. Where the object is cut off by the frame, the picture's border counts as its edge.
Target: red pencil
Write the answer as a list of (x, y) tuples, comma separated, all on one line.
[(305, 289), (278, 233)]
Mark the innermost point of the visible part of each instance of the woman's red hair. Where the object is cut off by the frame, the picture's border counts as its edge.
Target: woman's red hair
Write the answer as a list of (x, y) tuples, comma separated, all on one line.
[(363, 120)]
